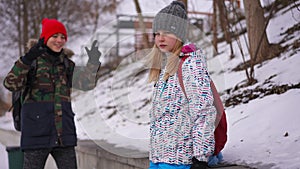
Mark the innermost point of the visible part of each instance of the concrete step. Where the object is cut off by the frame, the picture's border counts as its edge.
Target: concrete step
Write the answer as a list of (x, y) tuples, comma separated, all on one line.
[(90, 154)]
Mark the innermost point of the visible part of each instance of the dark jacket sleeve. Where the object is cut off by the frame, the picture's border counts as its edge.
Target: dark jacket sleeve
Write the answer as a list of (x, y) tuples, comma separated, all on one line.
[(85, 77), (17, 76)]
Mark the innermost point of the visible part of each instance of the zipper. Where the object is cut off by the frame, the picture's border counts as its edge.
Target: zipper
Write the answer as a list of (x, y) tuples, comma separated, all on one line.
[(163, 87)]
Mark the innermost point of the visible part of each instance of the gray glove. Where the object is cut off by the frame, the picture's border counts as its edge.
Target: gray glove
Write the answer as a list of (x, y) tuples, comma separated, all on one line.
[(93, 54)]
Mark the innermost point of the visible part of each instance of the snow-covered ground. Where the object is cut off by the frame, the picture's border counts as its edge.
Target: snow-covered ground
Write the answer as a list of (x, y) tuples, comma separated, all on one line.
[(262, 133)]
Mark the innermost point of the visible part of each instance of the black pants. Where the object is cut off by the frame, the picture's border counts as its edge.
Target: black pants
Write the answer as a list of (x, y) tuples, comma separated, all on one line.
[(65, 158)]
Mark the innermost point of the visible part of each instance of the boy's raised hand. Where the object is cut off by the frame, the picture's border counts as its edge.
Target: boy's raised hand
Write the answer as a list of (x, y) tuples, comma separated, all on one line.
[(94, 53)]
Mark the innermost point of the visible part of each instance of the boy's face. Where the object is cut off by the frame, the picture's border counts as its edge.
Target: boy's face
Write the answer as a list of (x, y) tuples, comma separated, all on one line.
[(165, 41), (56, 42)]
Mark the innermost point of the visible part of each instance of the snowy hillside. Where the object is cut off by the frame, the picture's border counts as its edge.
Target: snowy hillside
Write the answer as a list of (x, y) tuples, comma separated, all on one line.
[(263, 131)]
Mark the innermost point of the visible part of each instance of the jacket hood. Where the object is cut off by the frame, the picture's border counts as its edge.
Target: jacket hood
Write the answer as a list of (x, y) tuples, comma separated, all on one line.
[(31, 42)]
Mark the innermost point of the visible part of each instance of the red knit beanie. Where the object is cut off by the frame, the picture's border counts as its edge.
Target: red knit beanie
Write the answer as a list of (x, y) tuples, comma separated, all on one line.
[(51, 27)]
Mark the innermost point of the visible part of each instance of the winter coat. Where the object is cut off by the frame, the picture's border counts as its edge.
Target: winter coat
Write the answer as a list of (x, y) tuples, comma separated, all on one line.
[(180, 127), (47, 115)]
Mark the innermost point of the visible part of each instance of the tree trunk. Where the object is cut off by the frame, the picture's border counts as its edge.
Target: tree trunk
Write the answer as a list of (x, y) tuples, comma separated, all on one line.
[(25, 25), (214, 27), (19, 28), (142, 25), (256, 31), (223, 16), (223, 19)]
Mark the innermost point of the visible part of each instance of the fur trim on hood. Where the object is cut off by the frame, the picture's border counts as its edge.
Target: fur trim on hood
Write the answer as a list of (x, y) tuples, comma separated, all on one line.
[(32, 42)]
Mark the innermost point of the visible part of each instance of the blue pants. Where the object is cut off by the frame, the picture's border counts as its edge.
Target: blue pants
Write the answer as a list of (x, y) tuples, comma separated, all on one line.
[(168, 166)]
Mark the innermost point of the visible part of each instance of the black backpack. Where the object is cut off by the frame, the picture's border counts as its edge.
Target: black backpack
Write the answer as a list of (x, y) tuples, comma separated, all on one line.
[(19, 96)]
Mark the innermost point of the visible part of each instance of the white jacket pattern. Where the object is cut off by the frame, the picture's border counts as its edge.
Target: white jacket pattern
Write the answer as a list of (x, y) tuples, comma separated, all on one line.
[(182, 128)]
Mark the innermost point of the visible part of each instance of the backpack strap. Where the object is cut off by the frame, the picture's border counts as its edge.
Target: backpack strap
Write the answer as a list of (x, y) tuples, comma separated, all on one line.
[(180, 74), (185, 50)]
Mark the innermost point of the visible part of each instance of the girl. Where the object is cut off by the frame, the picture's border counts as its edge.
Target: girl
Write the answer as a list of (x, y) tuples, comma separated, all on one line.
[(181, 118)]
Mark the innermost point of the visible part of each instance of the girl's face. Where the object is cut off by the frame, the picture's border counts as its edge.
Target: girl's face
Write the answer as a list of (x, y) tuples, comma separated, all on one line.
[(56, 42), (165, 41)]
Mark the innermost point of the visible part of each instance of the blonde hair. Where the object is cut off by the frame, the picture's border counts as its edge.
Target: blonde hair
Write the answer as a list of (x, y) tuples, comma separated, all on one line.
[(155, 62)]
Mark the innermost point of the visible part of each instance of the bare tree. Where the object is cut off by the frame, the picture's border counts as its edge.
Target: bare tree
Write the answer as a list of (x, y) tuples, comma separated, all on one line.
[(255, 27), (142, 25), (224, 23), (21, 19), (214, 27), (259, 47)]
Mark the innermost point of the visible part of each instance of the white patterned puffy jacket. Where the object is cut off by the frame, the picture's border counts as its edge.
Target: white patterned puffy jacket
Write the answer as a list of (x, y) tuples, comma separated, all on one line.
[(182, 128)]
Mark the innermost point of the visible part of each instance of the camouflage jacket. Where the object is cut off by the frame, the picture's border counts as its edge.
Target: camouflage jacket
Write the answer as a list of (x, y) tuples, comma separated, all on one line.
[(47, 115)]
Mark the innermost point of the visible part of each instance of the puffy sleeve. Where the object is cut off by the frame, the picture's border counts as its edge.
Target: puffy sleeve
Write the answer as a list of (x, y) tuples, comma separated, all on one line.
[(17, 76), (203, 113), (85, 77)]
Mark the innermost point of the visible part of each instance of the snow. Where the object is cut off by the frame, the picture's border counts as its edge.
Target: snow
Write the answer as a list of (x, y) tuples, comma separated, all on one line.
[(257, 131), (3, 156), (281, 25), (262, 133)]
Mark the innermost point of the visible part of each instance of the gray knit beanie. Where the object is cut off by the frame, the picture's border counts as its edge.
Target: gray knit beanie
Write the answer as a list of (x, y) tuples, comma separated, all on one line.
[(172, 18)]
